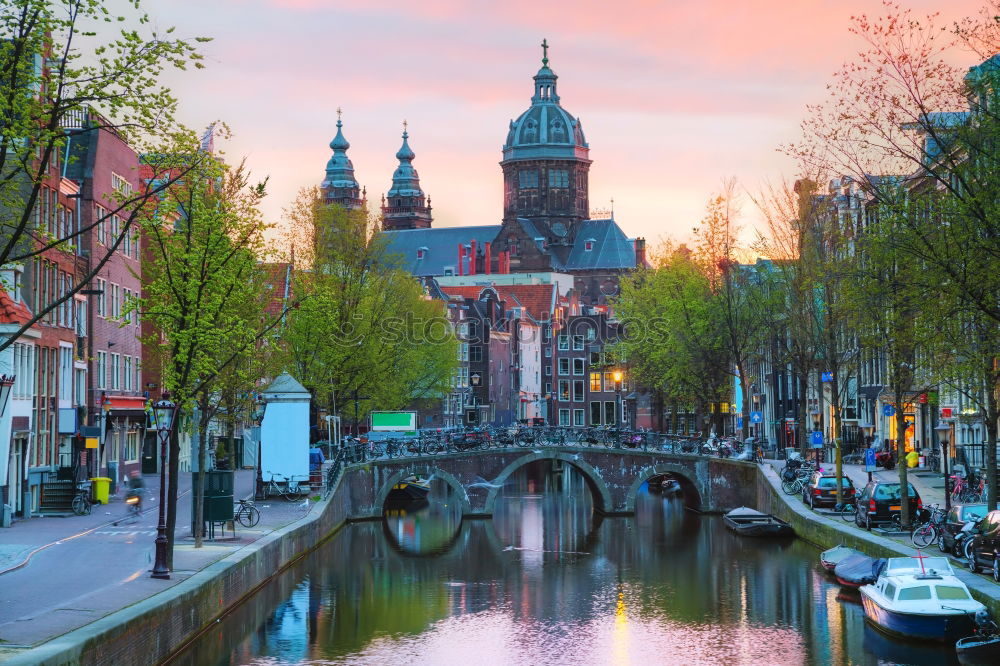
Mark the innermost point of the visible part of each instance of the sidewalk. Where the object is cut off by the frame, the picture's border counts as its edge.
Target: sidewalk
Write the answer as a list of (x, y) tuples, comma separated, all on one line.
[(58, 574)]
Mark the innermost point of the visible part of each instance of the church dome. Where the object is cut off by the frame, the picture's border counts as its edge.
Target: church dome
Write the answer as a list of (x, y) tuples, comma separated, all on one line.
[(545, 129)]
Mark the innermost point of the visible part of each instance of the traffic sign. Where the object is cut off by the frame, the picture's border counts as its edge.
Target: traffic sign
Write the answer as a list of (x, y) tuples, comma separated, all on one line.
[(816, 439), (869, 460), (888, 410), (827, 377), (756, 417)]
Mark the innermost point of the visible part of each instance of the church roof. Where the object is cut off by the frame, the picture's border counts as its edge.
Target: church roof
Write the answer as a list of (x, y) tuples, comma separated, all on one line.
[(609, 247), (545, 129), (339, 170), (405, 181), (440, 247)]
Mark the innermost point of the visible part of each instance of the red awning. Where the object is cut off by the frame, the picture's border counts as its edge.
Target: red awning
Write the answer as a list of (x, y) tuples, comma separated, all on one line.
[(125, 402)]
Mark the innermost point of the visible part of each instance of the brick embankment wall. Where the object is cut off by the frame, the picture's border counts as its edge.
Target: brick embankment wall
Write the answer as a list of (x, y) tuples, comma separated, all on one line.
[(826, 532), (156, 628)]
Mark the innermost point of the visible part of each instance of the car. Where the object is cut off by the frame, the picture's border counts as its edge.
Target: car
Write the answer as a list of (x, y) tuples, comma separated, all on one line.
[(953, 523), (821, 489), (880, 500), (984, 551)]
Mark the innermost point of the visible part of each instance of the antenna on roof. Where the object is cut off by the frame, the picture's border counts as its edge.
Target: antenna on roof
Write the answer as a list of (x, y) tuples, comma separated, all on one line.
[(612, 208)]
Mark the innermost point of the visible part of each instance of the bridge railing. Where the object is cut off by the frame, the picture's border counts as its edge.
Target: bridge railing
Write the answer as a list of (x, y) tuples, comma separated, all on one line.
[(535, 437)]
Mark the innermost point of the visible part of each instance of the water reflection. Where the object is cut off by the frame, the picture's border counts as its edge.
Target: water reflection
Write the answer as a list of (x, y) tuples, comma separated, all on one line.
[(548, 582)]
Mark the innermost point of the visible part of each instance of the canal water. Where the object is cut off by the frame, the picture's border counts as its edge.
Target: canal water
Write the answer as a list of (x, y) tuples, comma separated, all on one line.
[(547, 581)]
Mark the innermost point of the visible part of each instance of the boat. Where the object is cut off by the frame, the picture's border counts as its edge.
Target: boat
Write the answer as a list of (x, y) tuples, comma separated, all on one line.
[(831, 558), (670, 487), (909, 566), (979, 650), (409, 489), (858, 570), (924, 606), (747, 522)]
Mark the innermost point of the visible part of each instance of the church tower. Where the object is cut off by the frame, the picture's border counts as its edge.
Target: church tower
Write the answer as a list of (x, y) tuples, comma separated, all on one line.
[(339, 186), (403, 206), (546, 162)]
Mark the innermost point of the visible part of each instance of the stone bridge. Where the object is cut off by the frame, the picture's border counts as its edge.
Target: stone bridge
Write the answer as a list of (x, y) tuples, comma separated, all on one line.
[(614, 477)]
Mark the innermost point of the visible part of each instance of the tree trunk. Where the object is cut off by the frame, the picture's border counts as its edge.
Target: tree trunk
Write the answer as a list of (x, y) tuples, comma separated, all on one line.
[(990, 454)]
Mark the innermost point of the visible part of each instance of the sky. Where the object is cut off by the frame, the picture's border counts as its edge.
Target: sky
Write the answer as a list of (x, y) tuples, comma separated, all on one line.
[(674, 95)]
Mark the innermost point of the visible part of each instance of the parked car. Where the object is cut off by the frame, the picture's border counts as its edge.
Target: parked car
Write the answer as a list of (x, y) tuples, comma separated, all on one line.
[(953, 522), (821, 489), (985, 549), (880, 500)]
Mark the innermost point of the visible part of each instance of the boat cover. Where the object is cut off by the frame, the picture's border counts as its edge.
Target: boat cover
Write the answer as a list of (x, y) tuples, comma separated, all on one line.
[(859, 569), (837, 554)]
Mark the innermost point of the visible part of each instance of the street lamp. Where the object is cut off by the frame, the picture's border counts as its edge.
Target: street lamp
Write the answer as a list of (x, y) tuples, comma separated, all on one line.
[(164, 411), (942, 431), (6, 384), (620, 415)]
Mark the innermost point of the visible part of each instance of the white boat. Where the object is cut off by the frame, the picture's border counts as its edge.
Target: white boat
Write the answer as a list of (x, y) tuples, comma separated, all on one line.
[(927, 606)]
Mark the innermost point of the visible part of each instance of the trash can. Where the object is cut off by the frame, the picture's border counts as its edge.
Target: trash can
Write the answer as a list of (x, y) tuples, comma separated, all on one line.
[(99, 486), (218, 504)]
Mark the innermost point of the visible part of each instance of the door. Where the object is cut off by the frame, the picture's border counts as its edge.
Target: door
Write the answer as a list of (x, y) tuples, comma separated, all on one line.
[(15, 476)]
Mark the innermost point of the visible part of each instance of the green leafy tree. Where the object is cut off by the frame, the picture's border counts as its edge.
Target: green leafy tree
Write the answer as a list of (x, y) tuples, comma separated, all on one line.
[(365, 333), (202, 293), (67, 68)]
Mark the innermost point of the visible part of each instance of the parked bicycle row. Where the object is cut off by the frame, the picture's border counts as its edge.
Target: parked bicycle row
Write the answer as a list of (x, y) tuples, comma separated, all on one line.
[(432, 443)]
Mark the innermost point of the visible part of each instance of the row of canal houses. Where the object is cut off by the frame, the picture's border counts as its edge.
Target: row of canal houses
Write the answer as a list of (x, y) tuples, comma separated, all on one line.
[(82, 381)]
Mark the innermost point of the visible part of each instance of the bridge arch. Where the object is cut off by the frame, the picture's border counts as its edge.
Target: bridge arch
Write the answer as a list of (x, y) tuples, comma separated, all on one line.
[(429, 471), (598, 488), (684, 475)]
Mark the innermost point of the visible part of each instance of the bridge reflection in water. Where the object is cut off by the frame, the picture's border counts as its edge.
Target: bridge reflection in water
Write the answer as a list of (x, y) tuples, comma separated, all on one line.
[(549, 581)]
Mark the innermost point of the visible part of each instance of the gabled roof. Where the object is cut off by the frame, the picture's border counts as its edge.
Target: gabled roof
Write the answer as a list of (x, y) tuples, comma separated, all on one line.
[(441, 246), (611, 248), (285, 383), (12, 312), (279, 276), (537, 300)]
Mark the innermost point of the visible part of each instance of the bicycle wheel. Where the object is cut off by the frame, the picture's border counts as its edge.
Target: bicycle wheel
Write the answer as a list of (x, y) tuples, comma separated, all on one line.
[(293, 491), (248, 515), (81, 505), (923, 535), (848, 513), (790, 487)]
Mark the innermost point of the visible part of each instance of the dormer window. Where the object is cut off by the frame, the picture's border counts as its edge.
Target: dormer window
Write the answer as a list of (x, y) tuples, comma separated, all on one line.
[(421, 253), (588, 245)]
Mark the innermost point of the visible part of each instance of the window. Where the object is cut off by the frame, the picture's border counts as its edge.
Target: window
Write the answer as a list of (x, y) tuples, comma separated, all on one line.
[(527, 178), (548, 389), (578, 392), (463, 377), (65, 373), (595, 413), (595, 358), (564, 417), (595, 382), (890, 591), (102, 292), (578, 417), (120, 185), (548, 370), (578, 366), (563, 343), (116, 301), (609, 381), (115, 227), (915, 593), (588, 245), (115, 367), (558, 178), (126, 305), (564, 389), (476, 354), (463, 351), (548, 352), (577, 343), (102, 370), (131, 446), (421, 252), (127, 373), (101, 213), (127, 244), (564, 366), (135, 244), (950, 592), (610, 412)]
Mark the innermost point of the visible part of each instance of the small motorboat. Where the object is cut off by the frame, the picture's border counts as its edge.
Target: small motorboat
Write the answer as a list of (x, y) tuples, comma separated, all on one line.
[(831, 558), (984, 647), (670, 487), (747, 522), (409, 489), (858, 570), (924, 606)]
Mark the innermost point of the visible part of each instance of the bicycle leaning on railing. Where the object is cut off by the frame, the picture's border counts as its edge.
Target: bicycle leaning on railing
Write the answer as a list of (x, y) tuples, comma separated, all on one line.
[(928, 528)]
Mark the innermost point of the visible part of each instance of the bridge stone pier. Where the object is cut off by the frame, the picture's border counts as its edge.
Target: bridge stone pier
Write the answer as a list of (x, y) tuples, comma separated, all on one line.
[(614, 476)]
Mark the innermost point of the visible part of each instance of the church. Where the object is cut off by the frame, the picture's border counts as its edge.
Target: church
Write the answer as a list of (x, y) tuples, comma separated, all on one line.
[(546, 226)]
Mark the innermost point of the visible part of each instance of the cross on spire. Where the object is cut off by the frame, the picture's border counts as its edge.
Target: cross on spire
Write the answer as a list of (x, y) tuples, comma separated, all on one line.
[(338, 113), (545, 52)]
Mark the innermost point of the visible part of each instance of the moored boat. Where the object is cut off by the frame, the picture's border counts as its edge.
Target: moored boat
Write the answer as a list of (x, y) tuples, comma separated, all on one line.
[(409, 489), (935, 607), (747, 522), (858, 570), (979, 650), (831, 558)]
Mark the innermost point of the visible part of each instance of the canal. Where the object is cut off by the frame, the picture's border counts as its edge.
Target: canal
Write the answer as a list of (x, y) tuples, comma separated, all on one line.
[(547, 581)]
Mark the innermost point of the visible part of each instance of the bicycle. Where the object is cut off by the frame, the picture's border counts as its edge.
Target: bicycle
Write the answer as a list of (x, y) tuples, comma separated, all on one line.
[(81, 502), (928, 532), (793, 487), (291, 491), (247, 513), (847, 512)]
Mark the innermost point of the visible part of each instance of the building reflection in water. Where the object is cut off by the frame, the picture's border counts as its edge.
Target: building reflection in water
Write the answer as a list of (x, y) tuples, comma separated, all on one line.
[(547, 581)]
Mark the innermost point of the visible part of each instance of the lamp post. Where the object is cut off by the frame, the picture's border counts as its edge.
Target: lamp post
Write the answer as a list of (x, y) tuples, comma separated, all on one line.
[(619, 413), (6, 385), (942, 431), (165, 411)]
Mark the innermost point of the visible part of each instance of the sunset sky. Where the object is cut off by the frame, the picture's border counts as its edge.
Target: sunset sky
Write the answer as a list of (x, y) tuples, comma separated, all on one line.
[(673, 96)]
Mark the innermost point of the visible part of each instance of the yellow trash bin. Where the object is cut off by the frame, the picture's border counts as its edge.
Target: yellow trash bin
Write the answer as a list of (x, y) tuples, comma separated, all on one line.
[(912, 458), (100, 485)]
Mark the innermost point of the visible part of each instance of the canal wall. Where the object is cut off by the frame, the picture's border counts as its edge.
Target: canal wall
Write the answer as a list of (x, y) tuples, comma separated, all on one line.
[(826, 532), (151, 631)]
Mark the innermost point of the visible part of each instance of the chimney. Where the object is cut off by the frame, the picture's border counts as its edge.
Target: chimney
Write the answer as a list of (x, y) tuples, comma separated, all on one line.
[(486, 259), (473, 269), (640, 252), (461, 257)]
